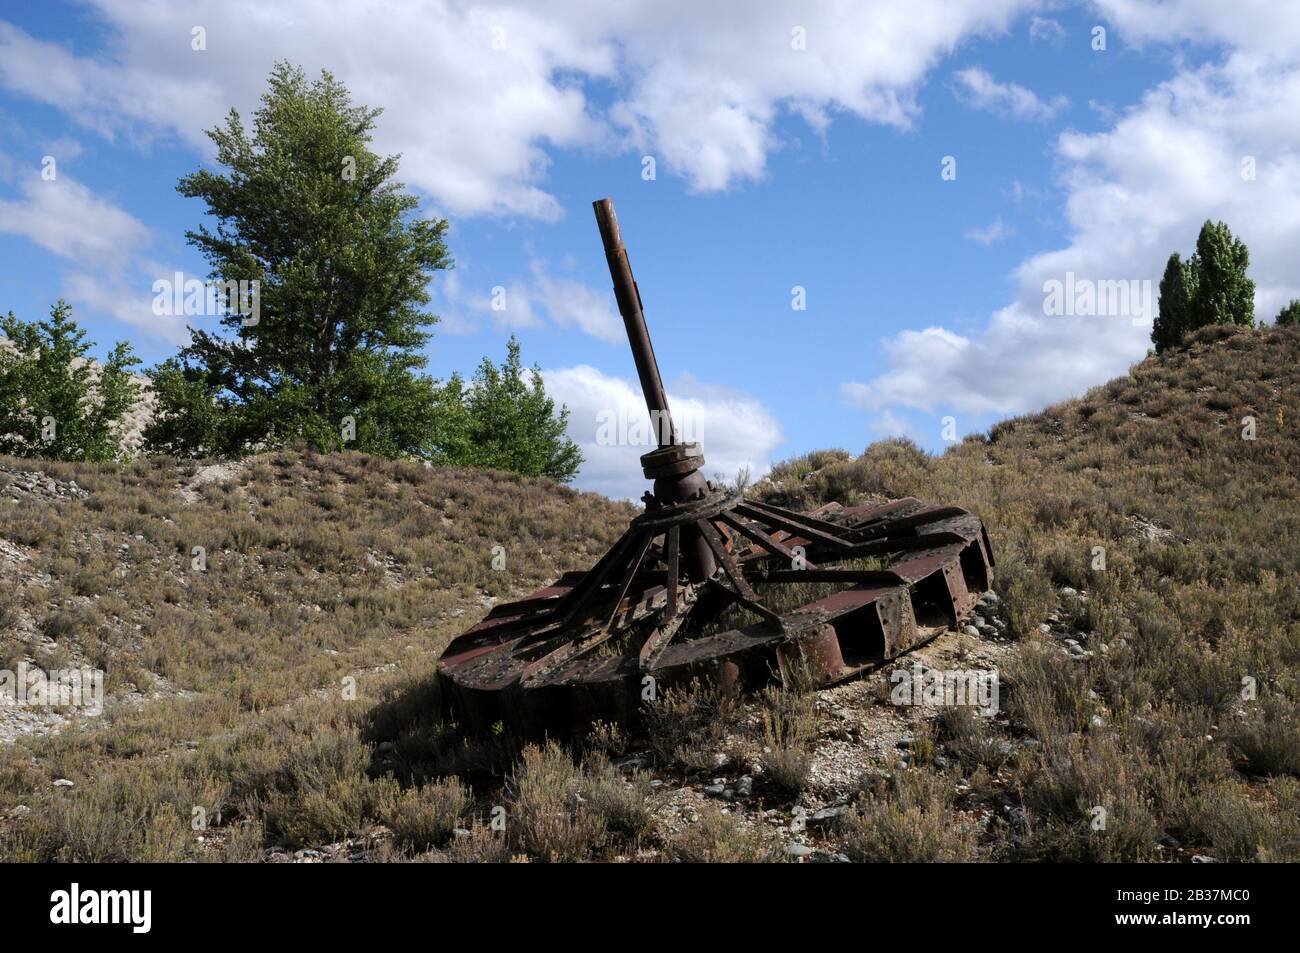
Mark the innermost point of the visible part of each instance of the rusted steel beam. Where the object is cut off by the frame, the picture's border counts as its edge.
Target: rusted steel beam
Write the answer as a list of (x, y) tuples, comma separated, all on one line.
[(628, 296)]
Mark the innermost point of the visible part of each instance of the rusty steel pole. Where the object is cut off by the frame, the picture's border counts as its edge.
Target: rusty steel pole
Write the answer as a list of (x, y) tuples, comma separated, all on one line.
[(674, 466), (628, 296)]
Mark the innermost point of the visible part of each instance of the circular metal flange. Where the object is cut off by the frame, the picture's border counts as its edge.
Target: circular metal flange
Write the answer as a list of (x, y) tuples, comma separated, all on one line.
[(675, 460), (711, 504)]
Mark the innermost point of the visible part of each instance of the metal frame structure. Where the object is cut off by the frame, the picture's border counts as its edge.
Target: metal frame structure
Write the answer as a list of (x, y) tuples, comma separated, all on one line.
[(653, 612)]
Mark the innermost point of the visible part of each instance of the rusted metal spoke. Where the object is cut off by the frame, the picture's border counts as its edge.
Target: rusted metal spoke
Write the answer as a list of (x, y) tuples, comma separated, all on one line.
[(658, 641), (724, 556), (568, 650), (581, 594), (903, 523), (628, 576), (741, 592), (850, 576), (834, 529), (758, 536), (791, 524), (752, 604), (674, 546)]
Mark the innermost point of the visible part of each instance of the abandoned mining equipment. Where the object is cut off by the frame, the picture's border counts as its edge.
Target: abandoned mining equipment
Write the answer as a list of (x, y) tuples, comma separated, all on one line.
[(708, 584)]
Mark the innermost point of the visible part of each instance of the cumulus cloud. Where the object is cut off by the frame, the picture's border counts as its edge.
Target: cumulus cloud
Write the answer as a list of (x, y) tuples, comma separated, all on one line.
[(65, 217), (977, 88), (607, 412), (476, 95), (1134, 192)]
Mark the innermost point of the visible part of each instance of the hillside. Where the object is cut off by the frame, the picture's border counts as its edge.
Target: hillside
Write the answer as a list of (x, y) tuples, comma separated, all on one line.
[(283, 691)]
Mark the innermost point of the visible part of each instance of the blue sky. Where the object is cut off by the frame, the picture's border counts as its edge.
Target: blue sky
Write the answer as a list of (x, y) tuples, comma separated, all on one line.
[(776, 167)]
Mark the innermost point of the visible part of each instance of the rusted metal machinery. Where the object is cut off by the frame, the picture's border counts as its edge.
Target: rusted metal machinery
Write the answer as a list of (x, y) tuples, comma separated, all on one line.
[(706, 584)]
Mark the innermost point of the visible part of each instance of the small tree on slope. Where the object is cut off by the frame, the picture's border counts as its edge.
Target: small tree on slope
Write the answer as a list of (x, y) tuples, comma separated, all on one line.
[(1211, 287), (55, 402)]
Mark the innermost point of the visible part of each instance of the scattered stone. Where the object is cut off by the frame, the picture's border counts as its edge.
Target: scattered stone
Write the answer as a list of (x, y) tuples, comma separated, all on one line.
[(745, 786), (63, 783), (715, 790), (970, 630), (1044, 628), (1205, 859), (826, 815), (797, 850)]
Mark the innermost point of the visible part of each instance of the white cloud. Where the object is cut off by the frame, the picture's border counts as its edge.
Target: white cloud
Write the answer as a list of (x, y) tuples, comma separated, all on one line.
[(991, 233), (1134, 193), (507, 307), (69, 219), (529, 303), (735, 429), (122, 299), (1262, 27), (570, 303), (978, 89), (697, 85), (65, 217)]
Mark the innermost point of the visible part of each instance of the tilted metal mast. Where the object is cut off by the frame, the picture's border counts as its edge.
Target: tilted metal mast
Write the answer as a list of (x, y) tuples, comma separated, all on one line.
[(674, 467)]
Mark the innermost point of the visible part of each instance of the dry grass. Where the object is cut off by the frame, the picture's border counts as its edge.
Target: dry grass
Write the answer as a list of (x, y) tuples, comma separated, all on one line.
[(295, 706), (1201, 580), (304, 650), (718, 838), (907, 819)]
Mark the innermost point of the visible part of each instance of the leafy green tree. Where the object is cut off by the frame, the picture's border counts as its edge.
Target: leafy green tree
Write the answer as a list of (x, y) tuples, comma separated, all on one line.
[(55, 402), (329, 353), (1290, 315), (511, 424), (1177, 291), (1211, 287), (1224, 293)]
